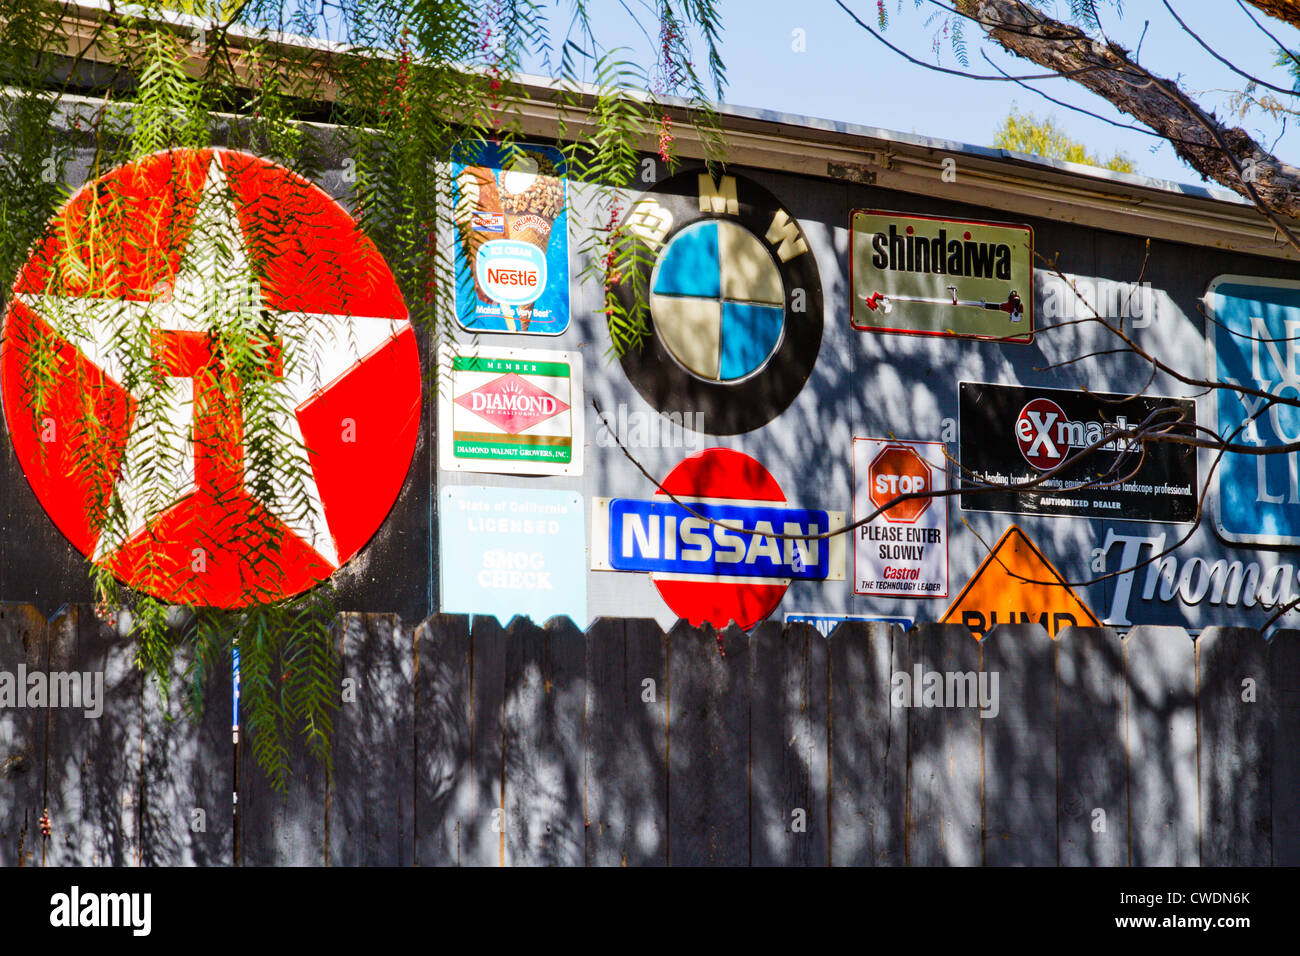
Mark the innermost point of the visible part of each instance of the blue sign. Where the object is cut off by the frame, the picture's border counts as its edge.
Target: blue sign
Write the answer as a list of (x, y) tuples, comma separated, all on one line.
[(1254, 343), (825, 623), (663, 537), (511, 242), (508, 551)]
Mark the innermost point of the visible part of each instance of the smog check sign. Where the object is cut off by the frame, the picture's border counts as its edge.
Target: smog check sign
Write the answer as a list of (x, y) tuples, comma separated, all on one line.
[(904, 551), (513, 411), (715, 557)]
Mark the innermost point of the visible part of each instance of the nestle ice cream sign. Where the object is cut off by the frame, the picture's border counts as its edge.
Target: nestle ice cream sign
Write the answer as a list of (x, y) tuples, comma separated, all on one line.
[(513, 273), (510, 245)]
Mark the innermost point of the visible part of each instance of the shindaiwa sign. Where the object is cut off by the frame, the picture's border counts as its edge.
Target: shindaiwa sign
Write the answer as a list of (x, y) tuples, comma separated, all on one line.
[(934, 276)]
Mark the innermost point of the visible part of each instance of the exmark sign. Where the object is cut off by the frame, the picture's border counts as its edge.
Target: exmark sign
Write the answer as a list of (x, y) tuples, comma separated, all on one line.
[(1253, 343), (727, 549), (904, 551), (515, 411), (1014, 436)]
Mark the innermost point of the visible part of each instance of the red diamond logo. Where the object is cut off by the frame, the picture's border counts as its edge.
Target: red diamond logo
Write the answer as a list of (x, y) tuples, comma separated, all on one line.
[(512, 403)]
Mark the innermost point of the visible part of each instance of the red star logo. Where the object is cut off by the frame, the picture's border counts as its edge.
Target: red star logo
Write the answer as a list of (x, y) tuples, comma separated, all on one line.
[(128, 324)]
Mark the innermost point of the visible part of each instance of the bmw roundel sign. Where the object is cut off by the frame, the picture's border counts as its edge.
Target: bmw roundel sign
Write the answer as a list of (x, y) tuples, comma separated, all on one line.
[(729, 290)]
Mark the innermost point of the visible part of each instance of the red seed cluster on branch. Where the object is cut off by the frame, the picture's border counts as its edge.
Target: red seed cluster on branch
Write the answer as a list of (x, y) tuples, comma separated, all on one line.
[(614, 231), (666, 139), (492, 56), (671, 70)]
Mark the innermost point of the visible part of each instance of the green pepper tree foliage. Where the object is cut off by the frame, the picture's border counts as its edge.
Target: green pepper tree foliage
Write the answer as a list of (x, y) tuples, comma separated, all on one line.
[(1026, 133), (385, 89)]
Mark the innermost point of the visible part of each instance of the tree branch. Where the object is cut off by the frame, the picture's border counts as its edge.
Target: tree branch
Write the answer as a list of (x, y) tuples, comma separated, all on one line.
[(1224, 154), (1288, 11)]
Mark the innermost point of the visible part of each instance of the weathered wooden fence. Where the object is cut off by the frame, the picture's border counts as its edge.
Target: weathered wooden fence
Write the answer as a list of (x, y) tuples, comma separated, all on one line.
[(625, 745)]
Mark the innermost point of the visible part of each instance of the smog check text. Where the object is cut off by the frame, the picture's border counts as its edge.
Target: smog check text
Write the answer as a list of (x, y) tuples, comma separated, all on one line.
[(515, 569)]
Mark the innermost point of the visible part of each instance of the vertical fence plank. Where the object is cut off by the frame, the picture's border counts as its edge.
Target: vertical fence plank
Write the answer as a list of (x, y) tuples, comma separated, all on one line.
[(484, 829), (788, 746), (187, 780), (943, 817), (1018, 745), (546, 698), (626, 770), (1160, 723), (444, 784), (281, 828), (93, 775), (708, 752), (1090, 758), (371, 805), (1284, 684), (23, 651), (868, 745), (1234, 708), (278, 827)]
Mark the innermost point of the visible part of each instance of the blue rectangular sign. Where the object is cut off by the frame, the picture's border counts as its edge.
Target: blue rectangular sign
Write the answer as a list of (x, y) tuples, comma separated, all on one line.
[(663, 536), (1254, 344), (511, 243), (508, 551), (825, 623)]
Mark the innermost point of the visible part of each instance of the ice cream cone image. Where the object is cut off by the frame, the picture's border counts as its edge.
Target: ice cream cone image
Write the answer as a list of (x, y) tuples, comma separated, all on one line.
[(532, 201), (478, 197)]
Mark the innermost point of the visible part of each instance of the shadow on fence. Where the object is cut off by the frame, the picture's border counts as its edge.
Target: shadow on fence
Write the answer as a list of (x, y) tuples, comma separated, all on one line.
[(527, 745)]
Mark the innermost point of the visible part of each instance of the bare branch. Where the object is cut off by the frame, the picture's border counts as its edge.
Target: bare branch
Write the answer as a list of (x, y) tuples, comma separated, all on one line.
[(1226, 155)]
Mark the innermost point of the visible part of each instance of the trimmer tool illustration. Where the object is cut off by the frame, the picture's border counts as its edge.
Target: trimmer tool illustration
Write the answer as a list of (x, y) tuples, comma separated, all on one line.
[(879, 302)]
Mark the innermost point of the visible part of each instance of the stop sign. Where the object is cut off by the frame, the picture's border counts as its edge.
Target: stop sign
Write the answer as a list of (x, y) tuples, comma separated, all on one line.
[(898, 470)]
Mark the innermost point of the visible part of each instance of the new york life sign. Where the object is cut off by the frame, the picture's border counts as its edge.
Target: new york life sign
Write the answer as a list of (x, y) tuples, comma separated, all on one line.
[(1254, 343)]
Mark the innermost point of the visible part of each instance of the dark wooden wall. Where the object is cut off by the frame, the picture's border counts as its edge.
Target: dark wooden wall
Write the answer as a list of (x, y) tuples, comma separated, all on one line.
[(526, 745)]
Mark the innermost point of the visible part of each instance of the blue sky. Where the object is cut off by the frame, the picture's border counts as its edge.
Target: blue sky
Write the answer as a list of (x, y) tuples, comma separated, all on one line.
[(846, 74)]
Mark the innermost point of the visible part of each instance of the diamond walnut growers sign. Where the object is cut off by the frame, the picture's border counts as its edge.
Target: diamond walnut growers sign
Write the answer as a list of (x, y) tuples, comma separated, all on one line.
[(931, 276), (512, 411)]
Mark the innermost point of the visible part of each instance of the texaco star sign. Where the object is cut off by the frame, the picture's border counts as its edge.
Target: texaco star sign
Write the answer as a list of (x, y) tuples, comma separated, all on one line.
[(212, 513)]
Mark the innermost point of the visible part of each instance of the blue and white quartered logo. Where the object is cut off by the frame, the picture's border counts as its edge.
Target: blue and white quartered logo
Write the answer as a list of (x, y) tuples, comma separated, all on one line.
[(1255, 342)]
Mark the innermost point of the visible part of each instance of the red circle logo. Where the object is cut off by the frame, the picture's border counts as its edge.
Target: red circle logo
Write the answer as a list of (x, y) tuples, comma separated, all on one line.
[(722, 474), (122, 392), (1040, 435)]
